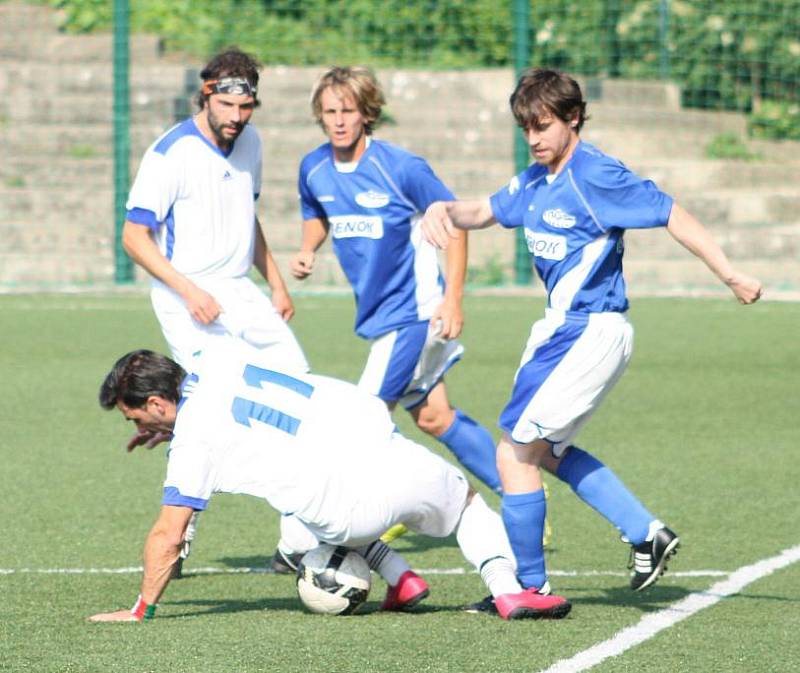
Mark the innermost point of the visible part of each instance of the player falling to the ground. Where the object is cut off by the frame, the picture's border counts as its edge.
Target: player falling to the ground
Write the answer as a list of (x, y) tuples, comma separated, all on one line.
[(192, 225), (368, 195), (310, 445), (574, 204)]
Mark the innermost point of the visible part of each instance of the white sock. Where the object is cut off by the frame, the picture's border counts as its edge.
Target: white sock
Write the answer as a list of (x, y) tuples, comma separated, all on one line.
[(499, 574), (484, 543), (188, 534), (385, 561), (296, 538)]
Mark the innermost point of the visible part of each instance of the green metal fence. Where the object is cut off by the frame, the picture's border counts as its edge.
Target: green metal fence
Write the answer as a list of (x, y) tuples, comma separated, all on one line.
[(737, 55)]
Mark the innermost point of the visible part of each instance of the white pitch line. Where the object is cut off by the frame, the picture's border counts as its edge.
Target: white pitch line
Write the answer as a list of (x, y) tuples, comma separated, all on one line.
[(651, 624), (267, 571)]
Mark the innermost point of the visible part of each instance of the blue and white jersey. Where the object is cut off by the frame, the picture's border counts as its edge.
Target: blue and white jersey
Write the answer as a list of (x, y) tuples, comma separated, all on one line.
[(305, 443), (574, 224), (372, 214), (199, 201)]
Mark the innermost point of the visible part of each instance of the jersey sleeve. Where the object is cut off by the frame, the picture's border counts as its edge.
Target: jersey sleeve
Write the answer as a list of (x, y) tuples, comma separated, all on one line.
[(618, 198), (154, 191), (509, 203), (421, 185), (310, 208), (190, 478)]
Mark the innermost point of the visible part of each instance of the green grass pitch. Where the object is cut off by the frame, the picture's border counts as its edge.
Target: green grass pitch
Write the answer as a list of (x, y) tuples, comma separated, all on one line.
[(703, 426)]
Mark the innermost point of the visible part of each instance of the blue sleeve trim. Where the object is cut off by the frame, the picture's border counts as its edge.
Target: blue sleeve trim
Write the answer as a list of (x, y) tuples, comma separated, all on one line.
[(172, 496), (143, 216)]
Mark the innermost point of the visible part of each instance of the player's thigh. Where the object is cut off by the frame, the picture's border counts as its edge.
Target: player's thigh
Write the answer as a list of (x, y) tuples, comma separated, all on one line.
[(392, 360)]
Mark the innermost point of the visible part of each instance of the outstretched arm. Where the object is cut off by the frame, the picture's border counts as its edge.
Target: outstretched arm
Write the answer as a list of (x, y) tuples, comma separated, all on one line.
[(315, 231), (443, 218), (450, 311), (264, 262), (139, 244), (693, 236), (161, 551)]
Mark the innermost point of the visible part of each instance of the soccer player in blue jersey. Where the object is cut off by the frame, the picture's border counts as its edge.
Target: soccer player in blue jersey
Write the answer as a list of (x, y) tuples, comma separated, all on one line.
[(368, 195), (574, 204)]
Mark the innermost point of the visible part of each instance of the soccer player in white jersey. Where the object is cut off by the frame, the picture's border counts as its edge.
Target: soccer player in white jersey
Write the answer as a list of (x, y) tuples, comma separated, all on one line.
[(191, 223), (368, 195), (310, 445), (574, 204)]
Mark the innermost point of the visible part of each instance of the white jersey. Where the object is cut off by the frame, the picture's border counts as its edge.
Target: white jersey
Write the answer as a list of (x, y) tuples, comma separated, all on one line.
[(199, 201), (312, 446)]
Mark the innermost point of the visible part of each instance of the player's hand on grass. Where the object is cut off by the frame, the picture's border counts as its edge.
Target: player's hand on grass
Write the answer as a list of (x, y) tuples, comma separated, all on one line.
[(437, 227), (302, 264), (201, 305), (450, 319), (283, 303), (148, 439), (746, 288), (118, 616)]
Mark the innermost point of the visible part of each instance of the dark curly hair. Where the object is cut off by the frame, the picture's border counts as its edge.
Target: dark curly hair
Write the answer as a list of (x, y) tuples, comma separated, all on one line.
[(232, 62), (138, 375)]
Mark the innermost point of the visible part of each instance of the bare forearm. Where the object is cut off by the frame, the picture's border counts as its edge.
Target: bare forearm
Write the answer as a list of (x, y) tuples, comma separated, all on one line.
[(138, 243), (161, 552), (456, 271), (693, 236), (470, 214)]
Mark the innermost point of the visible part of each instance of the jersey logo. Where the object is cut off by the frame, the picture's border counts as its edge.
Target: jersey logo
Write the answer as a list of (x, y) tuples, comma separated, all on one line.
[(356, 226), (513, 186), (559, 219), (372, 199), (546, 246), (327, 198), (227, 176)]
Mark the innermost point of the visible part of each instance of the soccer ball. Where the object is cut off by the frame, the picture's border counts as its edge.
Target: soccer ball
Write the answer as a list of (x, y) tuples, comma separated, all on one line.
[(333, 580)]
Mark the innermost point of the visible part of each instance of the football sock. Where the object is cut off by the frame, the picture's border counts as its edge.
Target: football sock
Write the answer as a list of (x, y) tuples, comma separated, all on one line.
[(499, 574), (188, 535), (523, 516), (474, 448), (385, 561), (480, 533), (600, 488)]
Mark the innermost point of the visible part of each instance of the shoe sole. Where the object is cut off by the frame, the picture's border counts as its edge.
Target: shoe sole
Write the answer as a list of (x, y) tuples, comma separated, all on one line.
[(661, 568), (557, 612)]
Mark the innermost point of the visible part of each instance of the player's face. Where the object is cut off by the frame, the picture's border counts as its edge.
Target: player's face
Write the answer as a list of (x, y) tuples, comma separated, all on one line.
[(154, 416), (343, 124), (227, 115), (552, 141)]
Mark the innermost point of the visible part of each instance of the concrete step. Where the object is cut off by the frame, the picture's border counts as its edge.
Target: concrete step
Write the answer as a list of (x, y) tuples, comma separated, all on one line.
[(661, 95), (40, 268), (611, 114), (73, 108), (47, 46), (18, 77), (43, 141), (680, 176), (18, 18)]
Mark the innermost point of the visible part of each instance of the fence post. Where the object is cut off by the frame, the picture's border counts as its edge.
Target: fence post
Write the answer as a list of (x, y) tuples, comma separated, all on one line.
[(663, 36), (521, 19), (123, 265)]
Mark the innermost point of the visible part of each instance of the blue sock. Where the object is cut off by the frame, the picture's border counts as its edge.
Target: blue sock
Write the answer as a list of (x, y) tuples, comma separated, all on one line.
[(599, 487), (474, 447), (523, 516)]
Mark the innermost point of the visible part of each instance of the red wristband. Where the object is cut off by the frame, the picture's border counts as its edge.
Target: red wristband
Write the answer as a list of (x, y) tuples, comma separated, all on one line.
[(142, 610)]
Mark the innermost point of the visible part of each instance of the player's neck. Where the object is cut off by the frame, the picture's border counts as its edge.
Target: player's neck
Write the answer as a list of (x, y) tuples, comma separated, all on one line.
[(352, 154), (566, 155), (201, 121)]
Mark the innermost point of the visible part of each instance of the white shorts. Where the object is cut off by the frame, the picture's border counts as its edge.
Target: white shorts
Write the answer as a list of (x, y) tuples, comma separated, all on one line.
[(248, 314), (570, 363), (404, 365), (412, 485)]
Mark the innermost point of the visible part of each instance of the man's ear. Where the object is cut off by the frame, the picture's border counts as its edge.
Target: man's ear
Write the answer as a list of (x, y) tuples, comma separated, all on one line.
[(156, 404)]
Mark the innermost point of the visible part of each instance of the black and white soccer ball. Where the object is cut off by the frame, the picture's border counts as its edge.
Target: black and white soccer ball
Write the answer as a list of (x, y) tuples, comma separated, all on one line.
[(333, 580)]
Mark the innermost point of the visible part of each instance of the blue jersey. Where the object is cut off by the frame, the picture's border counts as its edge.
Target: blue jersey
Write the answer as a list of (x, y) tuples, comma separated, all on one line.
[(372, 214), (574, 224)]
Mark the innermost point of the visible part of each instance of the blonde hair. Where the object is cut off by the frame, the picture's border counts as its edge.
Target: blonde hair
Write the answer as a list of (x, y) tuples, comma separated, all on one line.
[(356, 81)]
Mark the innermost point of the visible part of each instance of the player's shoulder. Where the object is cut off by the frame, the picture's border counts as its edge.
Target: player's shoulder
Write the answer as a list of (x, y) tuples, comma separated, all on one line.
[(393, 155), (595, 166), (316, 158), (171, 141)]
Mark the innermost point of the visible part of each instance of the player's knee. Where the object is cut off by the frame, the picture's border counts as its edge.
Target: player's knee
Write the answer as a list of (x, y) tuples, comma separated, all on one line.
[(435, 422)]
